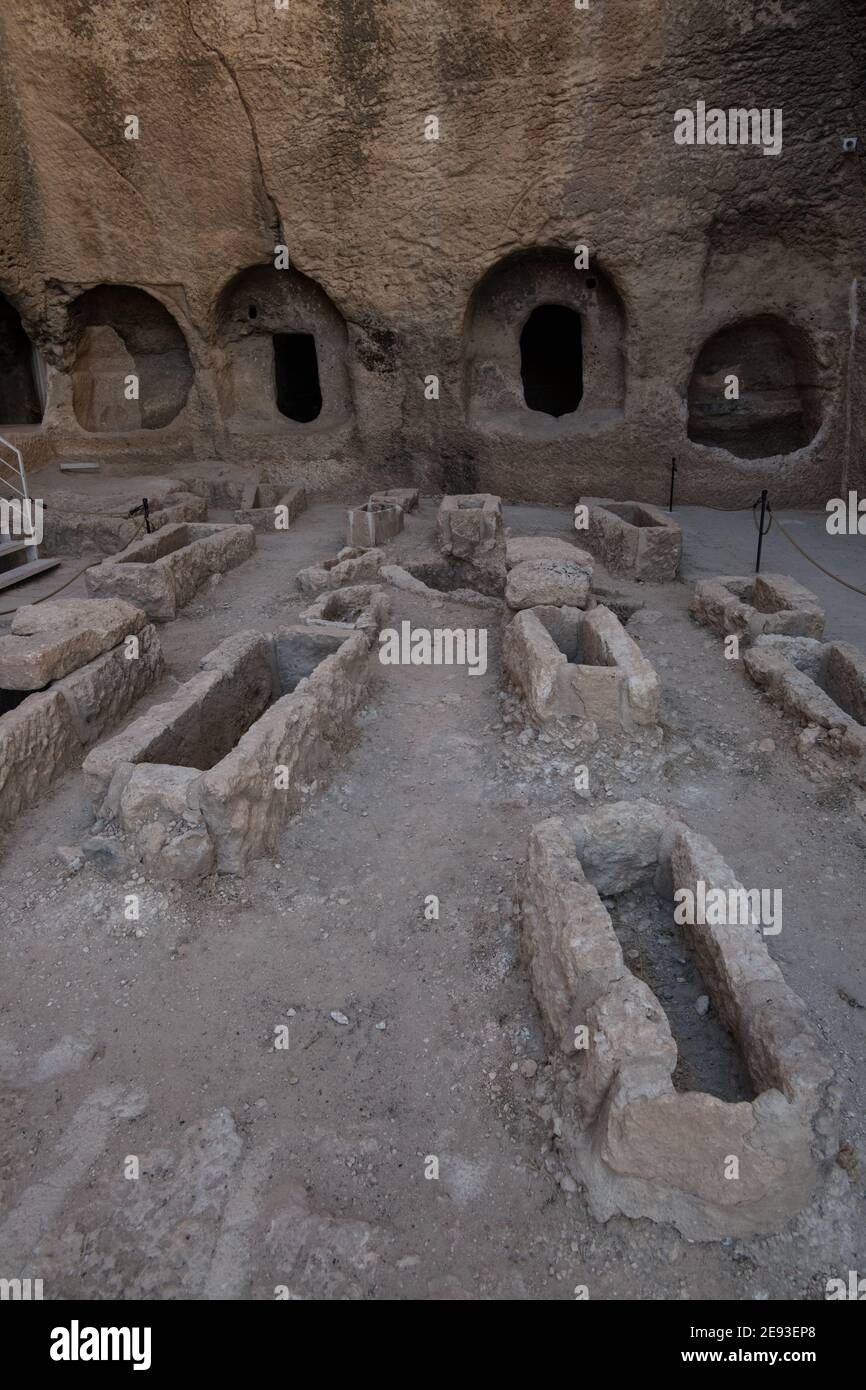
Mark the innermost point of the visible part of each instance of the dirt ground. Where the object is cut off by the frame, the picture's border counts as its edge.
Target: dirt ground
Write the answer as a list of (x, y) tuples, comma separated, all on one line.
[(304, 1169)]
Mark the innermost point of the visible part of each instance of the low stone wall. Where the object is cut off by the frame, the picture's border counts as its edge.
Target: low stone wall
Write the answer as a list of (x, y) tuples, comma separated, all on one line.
[(823, 685), (95, 676), (205, 781), (81, 527), (350, 565), (162, 572), (640, 1147), (571, 665), (768, 603), (471, 535), (360, 607), (634, 539), (267, 505)]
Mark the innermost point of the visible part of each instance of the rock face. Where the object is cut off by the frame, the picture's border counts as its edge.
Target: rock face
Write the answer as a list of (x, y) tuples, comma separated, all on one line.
[(639, 1146), (310, 122)]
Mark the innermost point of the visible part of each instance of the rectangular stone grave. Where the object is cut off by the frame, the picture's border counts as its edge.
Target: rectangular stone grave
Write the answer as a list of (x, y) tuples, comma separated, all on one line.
[(640, 1143), (576, 666)]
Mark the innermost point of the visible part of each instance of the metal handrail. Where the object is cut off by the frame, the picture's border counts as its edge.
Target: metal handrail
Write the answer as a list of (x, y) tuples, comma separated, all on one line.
[(21, 486)]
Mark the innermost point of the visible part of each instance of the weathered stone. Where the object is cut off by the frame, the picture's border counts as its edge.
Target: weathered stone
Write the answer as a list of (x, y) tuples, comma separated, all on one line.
[(374, 524), (769, 603), (518, 549), (635, 539), (620, 843), (629, 1035), (405, 497), (822, 686), (228, 757), (584, 666), (201, 722), (77, 524), (102, 692), (573, 955), (638, 1146), (156, 792), (555, 582), (362, 606), (350, 566), (402, 579), (162, 572), (39, 739), (270, 508), (49, 640), (470, 533), (460, 309), (187, 856), (301, 733), (48, 732)]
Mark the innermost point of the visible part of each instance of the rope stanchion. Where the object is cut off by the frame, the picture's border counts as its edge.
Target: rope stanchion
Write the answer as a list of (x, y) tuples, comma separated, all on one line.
[(4, 612), (762, 532), (771, 520)]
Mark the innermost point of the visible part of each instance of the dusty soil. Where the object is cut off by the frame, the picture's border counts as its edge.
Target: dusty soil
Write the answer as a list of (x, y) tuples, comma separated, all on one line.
[(304, 1168)]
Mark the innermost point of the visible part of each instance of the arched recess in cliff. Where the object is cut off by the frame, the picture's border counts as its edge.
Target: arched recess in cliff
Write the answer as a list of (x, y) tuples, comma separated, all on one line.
[(21, 399), (773, 407), (544, 347), (284, 353), (120, 332)]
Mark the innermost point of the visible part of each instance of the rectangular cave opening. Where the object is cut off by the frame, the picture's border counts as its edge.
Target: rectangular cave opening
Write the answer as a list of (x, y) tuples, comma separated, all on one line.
[(296, 376), (655, 951)]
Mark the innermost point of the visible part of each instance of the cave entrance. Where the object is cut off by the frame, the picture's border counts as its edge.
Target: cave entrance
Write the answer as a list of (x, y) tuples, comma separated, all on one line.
[(296, 371), (776, 406), (20, 398), (551, 360)]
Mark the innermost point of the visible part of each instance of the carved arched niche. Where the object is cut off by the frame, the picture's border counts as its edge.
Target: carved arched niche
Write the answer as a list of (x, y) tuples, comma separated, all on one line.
[(544, 347), (773, 408), (21, 379), (284, 344), (120, 332)]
